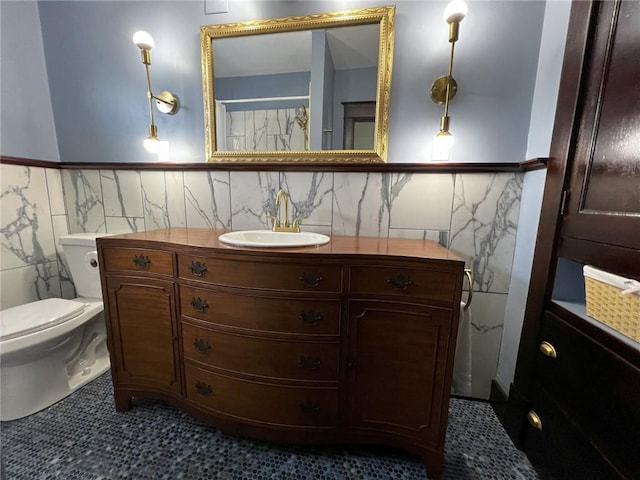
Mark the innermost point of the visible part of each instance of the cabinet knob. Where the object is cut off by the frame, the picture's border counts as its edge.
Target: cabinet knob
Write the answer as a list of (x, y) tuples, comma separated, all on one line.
[(311, 279), (199, 304), (203, 388), (201, 345), (310, 318), (141, 261), (309, 408), (311, 363), (199, 269), (534, 420), (400, 282), (549, 350)]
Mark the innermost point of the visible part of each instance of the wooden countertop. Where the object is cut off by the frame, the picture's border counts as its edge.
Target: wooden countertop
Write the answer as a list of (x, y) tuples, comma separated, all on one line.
[(339, 245)]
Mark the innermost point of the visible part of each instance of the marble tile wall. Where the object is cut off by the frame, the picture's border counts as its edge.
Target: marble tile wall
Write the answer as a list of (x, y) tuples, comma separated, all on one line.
[(33, 216), (475, 215), (265, 130)]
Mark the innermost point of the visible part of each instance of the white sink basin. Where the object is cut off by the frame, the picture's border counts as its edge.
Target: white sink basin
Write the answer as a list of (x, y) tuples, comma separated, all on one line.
[(271, 239)]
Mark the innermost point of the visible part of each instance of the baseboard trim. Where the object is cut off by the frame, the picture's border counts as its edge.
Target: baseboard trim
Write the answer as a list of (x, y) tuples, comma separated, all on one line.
[(497, 394)]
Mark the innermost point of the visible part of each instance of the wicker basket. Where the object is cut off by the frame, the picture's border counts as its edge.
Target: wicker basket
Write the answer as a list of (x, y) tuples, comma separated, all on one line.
[(607, 304)]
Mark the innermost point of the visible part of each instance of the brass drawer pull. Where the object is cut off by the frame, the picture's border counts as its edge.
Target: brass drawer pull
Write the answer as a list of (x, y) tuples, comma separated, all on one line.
[(141, 261), (311, 363), (309, 408), (400, 282), (199, 305), (311, 279), (201, 345), (310, 318), (534, 420), (198, 269), (549, 350), (203, 388)]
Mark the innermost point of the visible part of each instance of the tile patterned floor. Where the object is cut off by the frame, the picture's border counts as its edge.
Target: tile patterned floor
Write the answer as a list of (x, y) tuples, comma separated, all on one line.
[(83, 437)]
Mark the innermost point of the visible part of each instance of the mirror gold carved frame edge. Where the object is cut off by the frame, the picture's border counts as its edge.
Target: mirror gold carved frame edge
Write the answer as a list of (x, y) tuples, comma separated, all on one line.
[(385, 16)]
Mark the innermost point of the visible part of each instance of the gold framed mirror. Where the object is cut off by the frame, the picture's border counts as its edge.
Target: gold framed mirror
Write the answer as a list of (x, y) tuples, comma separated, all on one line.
[(274, 89)]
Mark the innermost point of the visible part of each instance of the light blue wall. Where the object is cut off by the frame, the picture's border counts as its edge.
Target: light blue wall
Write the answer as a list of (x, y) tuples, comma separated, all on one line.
[(495, 67), (98, 87), (554, 34), (545, 96), (319, 52), (26, 121), (328, 100)]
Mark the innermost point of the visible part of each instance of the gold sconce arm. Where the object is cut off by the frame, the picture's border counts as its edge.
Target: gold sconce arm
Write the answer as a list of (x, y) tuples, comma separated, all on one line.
[(166, 102), (444, 88)]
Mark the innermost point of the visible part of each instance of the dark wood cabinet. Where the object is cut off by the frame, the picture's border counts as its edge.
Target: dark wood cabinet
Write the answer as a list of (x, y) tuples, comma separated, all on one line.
[(576, 390), (596, 390), (353, 341)]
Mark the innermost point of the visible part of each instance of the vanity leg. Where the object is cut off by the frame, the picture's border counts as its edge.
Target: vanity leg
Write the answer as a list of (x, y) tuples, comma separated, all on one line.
[(123, 402), (434, 463)]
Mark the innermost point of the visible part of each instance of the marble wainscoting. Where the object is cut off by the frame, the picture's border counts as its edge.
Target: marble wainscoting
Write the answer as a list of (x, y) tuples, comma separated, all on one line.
[(475, 215), (32, 266), (484, 224)]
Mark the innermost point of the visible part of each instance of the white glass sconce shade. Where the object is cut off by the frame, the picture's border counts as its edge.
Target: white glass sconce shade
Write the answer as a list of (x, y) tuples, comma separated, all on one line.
[(143, 40), (455, 11), (442, 144), (152, 144)]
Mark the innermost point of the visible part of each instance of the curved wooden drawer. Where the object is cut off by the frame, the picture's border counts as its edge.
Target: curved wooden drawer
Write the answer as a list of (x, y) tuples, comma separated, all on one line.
[(287, 406), (272, 358), (406, 282), (301, 277), (137, 259), (281, 315)]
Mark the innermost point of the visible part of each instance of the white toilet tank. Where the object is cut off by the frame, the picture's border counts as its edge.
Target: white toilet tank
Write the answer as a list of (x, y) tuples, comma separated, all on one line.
[(82, 258)]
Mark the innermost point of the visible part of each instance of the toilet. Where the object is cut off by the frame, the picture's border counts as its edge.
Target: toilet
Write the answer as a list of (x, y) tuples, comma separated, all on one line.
[(52, 347)]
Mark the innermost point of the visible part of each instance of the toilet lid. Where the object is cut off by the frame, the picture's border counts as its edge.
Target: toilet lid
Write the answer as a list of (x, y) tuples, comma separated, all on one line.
[(35, 316)]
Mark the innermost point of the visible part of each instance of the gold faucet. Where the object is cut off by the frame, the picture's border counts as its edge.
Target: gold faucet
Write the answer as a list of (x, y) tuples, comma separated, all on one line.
[(279, 226)]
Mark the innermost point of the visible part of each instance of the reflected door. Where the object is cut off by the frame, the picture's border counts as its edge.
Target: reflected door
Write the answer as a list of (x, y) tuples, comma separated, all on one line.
[(359, 125)]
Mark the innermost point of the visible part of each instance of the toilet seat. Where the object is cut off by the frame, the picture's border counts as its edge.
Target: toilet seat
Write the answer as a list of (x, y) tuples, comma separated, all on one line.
[(37, 316)]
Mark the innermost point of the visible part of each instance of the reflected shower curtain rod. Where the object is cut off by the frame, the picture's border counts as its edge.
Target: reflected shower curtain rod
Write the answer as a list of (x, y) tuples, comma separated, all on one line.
[(265, 99)]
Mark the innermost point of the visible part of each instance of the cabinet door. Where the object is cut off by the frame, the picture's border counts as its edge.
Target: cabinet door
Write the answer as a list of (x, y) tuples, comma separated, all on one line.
[(604, 192), (398, 356), (142, 324)]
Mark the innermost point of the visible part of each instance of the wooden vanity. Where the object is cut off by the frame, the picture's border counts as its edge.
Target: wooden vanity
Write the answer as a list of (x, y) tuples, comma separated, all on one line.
[(349, 342)]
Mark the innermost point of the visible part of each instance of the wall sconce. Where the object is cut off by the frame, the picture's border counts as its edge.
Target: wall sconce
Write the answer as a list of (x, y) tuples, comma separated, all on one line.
[(166, 102), (444, 88)]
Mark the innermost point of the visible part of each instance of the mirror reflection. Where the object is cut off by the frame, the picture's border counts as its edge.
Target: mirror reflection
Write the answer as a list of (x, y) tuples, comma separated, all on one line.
[(296, 89)]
